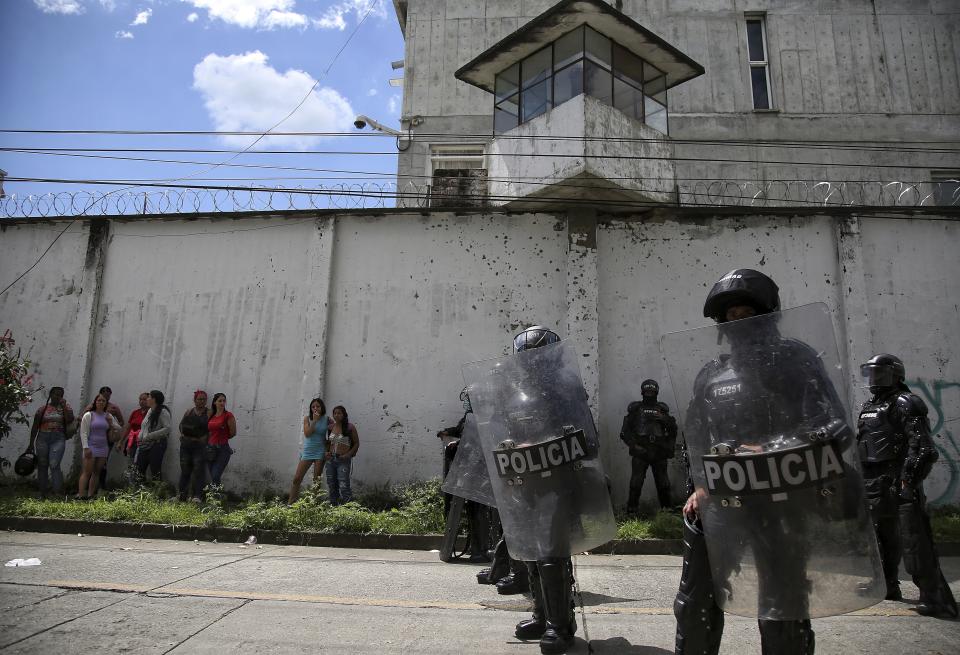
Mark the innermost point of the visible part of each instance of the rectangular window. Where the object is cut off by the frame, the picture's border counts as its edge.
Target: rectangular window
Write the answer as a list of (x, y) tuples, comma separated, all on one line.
[(568, 83), (446, 157), (759, 61), (568, 48)]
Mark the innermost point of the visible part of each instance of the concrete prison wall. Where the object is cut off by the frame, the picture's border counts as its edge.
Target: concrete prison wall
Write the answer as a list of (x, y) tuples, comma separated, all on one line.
[(377, 311)]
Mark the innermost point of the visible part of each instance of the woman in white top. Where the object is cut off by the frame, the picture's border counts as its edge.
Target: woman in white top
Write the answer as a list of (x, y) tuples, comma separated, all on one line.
[(98, 428), (342, 444)]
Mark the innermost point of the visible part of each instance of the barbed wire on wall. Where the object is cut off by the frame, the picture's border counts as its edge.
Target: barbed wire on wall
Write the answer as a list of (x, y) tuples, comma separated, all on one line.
[(182, 199), (827, 194)]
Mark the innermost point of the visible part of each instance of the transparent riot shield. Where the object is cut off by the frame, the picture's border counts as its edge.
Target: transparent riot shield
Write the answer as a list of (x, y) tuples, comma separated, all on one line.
[(774, 462), (468, 477), (542, 452)]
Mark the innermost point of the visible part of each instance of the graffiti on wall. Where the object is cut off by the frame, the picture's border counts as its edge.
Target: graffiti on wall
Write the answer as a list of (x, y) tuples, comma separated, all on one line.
[(943, 400)]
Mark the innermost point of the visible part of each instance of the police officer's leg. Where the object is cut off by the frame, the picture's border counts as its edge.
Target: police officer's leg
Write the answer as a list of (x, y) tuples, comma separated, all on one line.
[(782, 573), (479, 530), (883, 513), (920, 557), (557, 588), (534, 627), (786, 637), (662, 481), (699, 619), (637, 476)]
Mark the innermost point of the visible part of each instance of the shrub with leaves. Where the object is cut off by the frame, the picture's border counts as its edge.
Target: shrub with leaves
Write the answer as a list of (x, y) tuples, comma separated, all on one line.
[(15, 388)]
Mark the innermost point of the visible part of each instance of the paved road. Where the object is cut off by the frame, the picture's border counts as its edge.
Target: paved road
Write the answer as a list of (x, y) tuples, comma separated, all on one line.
[(109, 595)]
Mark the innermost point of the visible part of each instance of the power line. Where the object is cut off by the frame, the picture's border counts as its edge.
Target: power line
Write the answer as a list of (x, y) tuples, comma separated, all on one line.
[(273, 167), (852, 144), (335, 153)]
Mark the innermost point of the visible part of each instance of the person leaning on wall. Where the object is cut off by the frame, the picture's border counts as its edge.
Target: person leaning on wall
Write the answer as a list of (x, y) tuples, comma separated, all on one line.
[(153, 436), (315, 427), (223, 427), (98, 429), (342, 444), (48, 440), (193, 446)]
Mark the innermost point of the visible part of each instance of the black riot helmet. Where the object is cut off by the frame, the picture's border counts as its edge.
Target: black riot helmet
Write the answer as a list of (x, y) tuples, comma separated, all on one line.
[(649, 389), (534, 337), (25, 464), (743, 286), (883, 372)]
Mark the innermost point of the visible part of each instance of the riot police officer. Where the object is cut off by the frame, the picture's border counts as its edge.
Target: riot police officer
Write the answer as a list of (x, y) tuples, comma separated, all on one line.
[(897, 452), (551, 580), (651, 435), (478, 516), (765, 385)]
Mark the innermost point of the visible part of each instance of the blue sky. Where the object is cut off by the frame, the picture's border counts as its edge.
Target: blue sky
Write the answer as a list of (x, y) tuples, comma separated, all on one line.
[(193, 65)]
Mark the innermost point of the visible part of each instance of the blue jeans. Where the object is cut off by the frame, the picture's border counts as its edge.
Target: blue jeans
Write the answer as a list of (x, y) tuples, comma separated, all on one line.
[(49, 447), (193, 464), (338, 480), (219, 463)]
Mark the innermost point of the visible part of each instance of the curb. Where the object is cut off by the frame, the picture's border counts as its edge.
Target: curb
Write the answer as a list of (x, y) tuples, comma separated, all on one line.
[(372, 541), (235, 535)]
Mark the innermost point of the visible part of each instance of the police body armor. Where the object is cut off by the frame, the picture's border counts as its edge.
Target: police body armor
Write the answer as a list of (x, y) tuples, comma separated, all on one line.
[(542, 453), (878, 440), (654, 431), (782, 506)]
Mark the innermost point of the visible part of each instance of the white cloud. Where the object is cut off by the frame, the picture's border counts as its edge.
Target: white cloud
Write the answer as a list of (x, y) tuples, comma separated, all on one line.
[(393, 104), (59, 6), (334, 17), (244, 93), (108, 5), (372, 92), (284, 19), (143, 17), (124, 35), (192, 18), (265, 14)]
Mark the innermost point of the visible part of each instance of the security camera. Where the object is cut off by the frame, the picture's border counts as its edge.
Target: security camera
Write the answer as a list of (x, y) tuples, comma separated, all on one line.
[(361, 121)]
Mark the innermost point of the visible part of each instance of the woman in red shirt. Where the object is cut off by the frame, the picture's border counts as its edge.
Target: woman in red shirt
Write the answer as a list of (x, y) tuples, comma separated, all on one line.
[(223, 427)]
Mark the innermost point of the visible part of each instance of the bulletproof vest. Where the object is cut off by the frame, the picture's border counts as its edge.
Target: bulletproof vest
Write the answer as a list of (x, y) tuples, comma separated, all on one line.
[(878, 439), (650, 423), (744, 406)]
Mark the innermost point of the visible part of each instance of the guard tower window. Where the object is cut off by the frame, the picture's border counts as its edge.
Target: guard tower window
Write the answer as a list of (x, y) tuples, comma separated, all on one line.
[(580, 61), (759, 62)]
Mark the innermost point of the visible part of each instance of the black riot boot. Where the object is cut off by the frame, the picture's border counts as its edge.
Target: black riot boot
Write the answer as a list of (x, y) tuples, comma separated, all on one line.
[(557, 589), (500, 567), (515, 582), (533, 627)]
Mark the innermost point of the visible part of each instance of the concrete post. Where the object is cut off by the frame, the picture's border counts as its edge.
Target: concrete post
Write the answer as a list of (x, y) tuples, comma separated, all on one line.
[(83, 346), (583, 284), (316, 311), (856, 343)]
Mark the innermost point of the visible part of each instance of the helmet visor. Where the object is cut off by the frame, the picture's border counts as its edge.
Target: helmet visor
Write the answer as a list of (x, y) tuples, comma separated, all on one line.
[(878, 376)]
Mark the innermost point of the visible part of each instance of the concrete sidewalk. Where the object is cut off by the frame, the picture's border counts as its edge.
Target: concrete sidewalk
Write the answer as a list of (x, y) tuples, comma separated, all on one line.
[(115, 595)]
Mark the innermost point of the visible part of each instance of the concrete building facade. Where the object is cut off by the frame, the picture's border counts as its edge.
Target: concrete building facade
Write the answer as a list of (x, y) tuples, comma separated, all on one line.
[(845, 80)]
